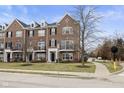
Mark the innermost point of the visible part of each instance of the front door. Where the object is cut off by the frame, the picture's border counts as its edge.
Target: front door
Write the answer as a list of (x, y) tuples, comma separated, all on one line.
[(52, 56), (30, 57), (8, 57)]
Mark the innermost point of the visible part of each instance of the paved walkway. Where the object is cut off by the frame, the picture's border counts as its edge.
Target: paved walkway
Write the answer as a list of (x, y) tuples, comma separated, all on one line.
[(101, 70)]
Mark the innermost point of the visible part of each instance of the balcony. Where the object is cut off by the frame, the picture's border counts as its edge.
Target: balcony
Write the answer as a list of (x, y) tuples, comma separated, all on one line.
[(67, 48), (14, 48)]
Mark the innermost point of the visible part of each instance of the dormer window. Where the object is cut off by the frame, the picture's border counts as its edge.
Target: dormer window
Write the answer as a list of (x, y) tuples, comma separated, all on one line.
[(32, 25), (43, 24), (3, 27)]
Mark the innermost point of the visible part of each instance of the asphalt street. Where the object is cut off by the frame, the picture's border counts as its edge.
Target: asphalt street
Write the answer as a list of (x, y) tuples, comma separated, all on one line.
[(20, 80)]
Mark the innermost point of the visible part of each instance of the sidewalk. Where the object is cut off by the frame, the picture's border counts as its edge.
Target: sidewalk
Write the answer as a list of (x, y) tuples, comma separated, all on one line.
[(101, 72), (78, 74)]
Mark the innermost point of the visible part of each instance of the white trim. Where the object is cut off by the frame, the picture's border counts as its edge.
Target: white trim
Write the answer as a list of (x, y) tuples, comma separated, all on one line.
[(64, 17), (17, 51), (49, 55), (39, 51), (67, 50), (12, 23), (1, 51)]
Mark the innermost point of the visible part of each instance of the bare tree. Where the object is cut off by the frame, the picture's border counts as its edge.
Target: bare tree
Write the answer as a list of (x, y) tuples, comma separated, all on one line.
[(89, 20)]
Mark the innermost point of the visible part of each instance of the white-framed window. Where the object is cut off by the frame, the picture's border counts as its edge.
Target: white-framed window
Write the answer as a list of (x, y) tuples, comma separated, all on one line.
[(67, 56), (67, 44), (18, 45), (1, 35), (1, 56), (18, 56), (43, 24), (41, 32), (53, 31), (9, 34), (53, 42), (31, 33), (41, 44), (18, 33), (8, 45), (1, 45), (67, 30), (40, 56)]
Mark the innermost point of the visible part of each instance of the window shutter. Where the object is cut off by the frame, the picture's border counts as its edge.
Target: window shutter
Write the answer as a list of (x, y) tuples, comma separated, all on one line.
[(49, 42), (11, 44), (33, 32), (50, 31), (55, 42), (6, 45), (11, 34), (6, 34), (55, 31), (28, 33)]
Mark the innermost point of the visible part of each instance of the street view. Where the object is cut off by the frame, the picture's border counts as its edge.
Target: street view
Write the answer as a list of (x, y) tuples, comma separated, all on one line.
[(61, 46)]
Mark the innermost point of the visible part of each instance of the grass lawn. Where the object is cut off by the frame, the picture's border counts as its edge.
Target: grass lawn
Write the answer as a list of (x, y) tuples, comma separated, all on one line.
[(70, 67), (110, 66)]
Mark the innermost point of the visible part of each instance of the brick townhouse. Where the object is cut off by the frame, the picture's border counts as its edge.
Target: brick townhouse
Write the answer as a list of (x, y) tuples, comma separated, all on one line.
[(40, 41)]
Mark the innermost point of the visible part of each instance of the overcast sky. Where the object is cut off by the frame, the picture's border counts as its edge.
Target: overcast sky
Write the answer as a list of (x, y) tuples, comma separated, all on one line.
[(113, 16)]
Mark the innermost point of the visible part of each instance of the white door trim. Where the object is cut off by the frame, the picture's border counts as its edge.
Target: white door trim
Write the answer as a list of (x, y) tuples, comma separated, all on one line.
[(55, 50)]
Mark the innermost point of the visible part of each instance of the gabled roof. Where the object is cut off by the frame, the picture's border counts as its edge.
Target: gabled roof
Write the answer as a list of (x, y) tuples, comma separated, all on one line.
[(37, 24), (22, 23), (68, 16), (52, 24)]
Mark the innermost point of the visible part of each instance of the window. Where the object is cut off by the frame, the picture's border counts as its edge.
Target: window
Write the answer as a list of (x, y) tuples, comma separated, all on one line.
[(18, 45), (67, 30), (32, 25), (18, 33), (31, 33), (67, 44), (3, 27), (53, 43), (41, 32), (18, 56), (1, 45), (53, 31), (41, 44), (40, 56), (43, 24), (1, 35), (67, 56), (9, 34), (9, 45)]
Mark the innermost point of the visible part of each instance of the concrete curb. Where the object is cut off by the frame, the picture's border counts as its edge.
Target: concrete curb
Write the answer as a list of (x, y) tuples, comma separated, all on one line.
[(117, 72), (75, 74)]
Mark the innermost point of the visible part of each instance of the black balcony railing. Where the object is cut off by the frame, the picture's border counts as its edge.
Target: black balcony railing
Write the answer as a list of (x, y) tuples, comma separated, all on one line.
[(67, 47)]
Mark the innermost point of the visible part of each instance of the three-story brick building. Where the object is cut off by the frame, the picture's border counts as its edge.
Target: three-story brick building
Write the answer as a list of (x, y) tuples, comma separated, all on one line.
[(42, 41)]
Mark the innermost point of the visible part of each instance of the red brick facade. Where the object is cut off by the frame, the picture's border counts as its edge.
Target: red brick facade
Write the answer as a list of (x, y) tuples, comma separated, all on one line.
[(43, 41)]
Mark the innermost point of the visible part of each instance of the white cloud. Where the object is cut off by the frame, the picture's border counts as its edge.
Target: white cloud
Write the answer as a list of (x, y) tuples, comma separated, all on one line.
[(56, 18), (112, 14), (8, 14)]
